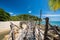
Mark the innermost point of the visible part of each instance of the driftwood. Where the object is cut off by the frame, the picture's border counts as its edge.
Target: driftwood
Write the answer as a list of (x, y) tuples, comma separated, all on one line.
[(33, 31), (46, 28), (55, 28)]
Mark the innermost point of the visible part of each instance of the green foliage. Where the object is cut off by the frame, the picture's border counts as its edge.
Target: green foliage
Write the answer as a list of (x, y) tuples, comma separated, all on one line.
[(23, 16), (14, 18), (28, 17), (54, 4), (4, 16)]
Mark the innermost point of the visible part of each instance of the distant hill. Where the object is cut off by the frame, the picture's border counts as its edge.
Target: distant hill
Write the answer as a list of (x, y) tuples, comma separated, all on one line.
[(24, 17), (5, 16)]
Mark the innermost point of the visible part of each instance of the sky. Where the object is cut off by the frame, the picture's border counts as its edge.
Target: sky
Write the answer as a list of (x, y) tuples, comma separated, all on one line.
[(16, 7)]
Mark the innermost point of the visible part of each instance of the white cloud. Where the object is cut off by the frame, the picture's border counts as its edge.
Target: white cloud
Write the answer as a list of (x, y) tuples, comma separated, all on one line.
[(11, 13), (29, 11), (50, 15), (14, 15), (54, 19)]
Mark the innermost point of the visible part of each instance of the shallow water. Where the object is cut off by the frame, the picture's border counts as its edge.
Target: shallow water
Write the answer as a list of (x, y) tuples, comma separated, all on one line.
[(52, 23)]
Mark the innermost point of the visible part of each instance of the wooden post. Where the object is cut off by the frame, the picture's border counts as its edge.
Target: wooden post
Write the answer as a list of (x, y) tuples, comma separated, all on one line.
[(46, 28)]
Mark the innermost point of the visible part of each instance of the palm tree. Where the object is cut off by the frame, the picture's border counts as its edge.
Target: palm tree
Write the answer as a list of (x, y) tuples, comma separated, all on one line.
[(54, 4)]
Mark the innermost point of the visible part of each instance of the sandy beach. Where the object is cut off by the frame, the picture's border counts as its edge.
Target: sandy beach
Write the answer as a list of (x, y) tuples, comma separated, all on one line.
[(5, 27)]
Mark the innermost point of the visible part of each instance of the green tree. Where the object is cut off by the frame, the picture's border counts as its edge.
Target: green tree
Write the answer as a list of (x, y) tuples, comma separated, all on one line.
[(4, 16), (14, 18), (54, 4), (28, 17)]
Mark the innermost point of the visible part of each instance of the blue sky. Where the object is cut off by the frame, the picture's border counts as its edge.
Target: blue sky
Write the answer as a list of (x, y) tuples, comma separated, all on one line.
[(16, 7)]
